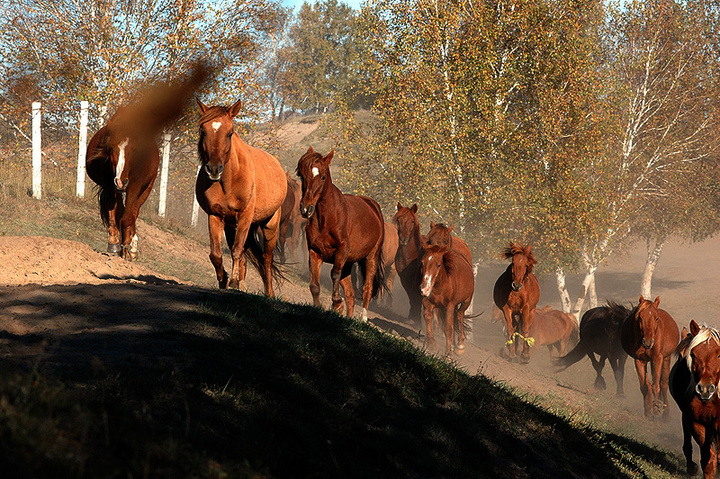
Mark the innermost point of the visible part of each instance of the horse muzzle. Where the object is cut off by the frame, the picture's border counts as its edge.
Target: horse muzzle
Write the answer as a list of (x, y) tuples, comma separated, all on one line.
[(646, 345), (516, 286), (705, 391), (404, 240), (307, 211), (214, 172)]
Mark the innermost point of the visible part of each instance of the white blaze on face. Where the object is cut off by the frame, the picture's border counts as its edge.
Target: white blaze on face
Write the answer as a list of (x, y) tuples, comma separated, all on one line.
[(121, 161), (427, 282), (216, 125), (315, 171)]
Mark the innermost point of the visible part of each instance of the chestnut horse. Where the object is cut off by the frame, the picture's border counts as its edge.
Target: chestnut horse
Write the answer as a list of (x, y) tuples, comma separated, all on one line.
[(241, 189), (650, 335), (407, 258), (554, 329), (517, 293), (600, 334), (447, 284), (693, 384), (342, 230), (122, 157), (440, 235)]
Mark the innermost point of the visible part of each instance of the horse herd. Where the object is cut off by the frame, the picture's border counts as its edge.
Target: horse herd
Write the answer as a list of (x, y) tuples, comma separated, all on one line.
[(255, 204)]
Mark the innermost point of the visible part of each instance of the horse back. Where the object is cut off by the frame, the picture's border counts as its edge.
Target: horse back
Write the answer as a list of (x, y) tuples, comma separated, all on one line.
[(670, 333), (391, 242), (365, 224), (550, 326)]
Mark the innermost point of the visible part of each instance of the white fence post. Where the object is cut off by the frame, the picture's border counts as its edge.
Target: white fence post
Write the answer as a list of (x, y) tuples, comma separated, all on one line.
[(36, 151), (164, 174), (196, 205), (82, 147)]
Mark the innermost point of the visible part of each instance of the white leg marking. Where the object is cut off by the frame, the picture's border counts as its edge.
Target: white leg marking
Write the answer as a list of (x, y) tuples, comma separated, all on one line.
[(364, 315), (134, 244), (121, 162)]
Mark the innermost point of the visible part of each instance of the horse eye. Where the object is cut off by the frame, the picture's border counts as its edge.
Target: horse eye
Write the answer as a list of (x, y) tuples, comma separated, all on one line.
[(230, 134), (322, 177)]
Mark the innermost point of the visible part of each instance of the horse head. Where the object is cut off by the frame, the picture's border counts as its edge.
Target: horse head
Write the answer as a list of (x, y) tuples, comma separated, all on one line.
[(702, 355), (647, 319), (522, 263), (430, 265), (216, 132), (314, 172), (406, 222)]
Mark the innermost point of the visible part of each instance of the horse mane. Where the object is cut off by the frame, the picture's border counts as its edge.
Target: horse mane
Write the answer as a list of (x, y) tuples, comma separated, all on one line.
[(213, 112), (517, 248), (306, 162), (617, 308), (688, 343), (452, 259)]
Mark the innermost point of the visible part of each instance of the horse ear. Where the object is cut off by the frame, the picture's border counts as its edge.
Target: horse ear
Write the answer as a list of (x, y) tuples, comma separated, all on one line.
[(450, 228), (414, 208), (329, 157), (642, 298), (201, 105), (399, 206), (235, 109), (694, 327), (657, 302), (310, 150), (432, 224)]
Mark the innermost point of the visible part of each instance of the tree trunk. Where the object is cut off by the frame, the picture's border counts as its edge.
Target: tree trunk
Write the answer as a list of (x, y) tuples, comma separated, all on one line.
[(653, 256), (593, 294), (586, 284), (565, 302)]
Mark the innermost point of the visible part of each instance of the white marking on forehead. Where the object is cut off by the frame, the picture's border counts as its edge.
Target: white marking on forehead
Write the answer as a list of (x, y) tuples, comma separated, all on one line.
[(315, 171), (216, 125)]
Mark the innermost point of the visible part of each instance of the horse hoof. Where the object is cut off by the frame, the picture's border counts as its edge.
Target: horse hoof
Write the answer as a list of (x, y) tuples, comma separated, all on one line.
[(459, 351), (129, 255), (114, 248), (692, 468)]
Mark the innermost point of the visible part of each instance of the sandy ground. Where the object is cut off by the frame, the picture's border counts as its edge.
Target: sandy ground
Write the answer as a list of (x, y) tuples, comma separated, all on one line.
[(63, 303)]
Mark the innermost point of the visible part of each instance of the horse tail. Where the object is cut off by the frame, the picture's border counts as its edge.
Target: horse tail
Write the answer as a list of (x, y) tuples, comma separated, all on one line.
[(379, 281), (575, 333), (578, 352), (255, 247)]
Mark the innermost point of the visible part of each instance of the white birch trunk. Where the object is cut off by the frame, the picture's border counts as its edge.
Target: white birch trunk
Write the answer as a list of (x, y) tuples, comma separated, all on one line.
[(565, 302), (593, 294), (196, 206), (653, 256), (587, 282)]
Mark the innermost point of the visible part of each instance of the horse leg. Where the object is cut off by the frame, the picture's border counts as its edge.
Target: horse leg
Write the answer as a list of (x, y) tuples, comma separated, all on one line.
[(509, 330), (314, 264), (664, 383), (270, 232), (528, 316), (237, 247), (372, 263), (598, 365), (390, 273), (708, 457), (341, 254), (618, 367), (645, 386), (687, 448), (428, 310), (215, 230), (459, 318), (347, 284), (114, 205)]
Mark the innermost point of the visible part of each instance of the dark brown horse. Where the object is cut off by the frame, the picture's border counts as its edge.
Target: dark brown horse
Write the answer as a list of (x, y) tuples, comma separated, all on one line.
[(342, 230), (448, 285), (517, 293), (122, 157), (241, 189), (600, 334), (650, 335), (407, 259), (693, 384), (291, 223), (554, 329)]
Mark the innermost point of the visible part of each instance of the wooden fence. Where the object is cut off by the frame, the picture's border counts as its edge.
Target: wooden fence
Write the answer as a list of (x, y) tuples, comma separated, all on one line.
[(82, 149)]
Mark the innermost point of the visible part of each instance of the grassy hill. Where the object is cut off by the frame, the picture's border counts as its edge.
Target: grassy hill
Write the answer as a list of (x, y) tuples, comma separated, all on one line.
[(237, 385)]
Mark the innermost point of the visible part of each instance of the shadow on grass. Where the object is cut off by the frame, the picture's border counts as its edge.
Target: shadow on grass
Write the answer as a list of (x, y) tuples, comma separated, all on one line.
[(180, 381)]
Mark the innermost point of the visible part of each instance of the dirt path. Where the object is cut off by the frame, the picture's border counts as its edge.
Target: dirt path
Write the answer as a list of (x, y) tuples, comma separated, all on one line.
[(63, 304)]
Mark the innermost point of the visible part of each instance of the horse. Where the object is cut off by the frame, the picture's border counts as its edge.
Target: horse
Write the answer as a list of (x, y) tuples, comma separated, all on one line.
[(407, 258), (291, 222), (447, 284), (693, 384), (242, 190), (650, 335), (440, 234), (123, 158), (517, 293), (342, 230), (554, 329), (390, 246), (600, 334)]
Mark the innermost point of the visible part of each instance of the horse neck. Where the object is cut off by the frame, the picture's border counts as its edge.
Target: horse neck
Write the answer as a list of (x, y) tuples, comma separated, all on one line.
[(330, 201), (412, 251)]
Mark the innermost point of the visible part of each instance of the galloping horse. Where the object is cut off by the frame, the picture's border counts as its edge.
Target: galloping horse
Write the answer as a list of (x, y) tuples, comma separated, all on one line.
[(694, 380), (122, 158), (650, 335), (517, 293), (600, 334), (241, 189), (448, 283), (407, 258), (440, 235), (341, 230), (554, 329)]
